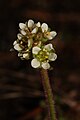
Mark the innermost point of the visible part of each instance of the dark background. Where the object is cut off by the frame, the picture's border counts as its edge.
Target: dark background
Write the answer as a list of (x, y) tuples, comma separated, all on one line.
[(21, 91)]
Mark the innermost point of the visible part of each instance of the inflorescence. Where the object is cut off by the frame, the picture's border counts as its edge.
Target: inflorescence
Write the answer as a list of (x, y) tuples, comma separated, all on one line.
[(31, 44)]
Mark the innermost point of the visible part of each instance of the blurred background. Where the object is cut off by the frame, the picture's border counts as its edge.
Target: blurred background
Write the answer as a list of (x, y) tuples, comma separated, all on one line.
[(21, 91)]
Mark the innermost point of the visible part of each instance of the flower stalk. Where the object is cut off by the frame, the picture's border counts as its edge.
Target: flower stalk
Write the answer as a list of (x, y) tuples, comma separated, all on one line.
[(48, 94)]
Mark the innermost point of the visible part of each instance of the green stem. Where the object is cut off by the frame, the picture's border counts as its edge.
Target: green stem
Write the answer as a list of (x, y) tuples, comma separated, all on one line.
[(48, 94)]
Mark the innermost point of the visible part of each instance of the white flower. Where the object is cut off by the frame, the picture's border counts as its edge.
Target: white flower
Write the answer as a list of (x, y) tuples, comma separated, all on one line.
[(35, 63), (22, 26), (42, 56), (30, 23), (17, 47), (47, 33)]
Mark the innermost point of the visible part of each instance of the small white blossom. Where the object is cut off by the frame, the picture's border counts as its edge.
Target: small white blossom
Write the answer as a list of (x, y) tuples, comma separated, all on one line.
[(49, 35), (43, 56)]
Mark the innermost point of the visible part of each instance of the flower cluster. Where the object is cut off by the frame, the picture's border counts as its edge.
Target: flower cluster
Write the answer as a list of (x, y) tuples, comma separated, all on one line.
[(31, 43)]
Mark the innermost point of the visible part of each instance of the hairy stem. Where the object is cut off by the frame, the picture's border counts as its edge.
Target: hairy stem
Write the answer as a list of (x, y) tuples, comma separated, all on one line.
[(48, 94)]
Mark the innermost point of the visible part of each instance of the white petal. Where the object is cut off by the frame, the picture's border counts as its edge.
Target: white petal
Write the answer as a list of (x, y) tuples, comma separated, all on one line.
[(23, 32), (35, 63), (49, 37), (49, 47), (35, 50), (19, 54), (15, 42), (30, 23), (34, 30), (30, 42), (52, 56), (22, 26), (17, 47), (53, 34), (26, 55), (38, 24), (46, 65), (19, 36), (44, 27)]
